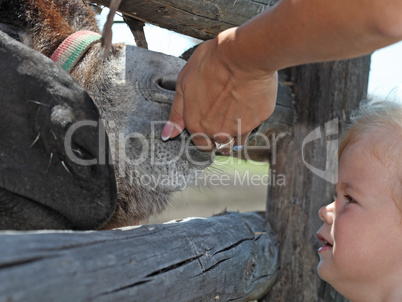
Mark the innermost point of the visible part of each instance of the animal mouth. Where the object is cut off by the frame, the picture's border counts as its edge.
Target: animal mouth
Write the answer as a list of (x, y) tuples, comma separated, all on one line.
[(56, 219)]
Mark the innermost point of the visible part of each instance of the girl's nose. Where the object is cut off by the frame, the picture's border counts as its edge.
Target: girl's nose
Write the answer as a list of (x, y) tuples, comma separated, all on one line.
[(326, 213)]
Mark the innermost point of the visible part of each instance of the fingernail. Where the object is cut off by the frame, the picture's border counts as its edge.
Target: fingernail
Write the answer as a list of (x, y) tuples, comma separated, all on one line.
[(167, 131)]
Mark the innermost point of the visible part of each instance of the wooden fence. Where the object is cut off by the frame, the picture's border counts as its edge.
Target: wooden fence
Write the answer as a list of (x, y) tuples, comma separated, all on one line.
[(231, 257)]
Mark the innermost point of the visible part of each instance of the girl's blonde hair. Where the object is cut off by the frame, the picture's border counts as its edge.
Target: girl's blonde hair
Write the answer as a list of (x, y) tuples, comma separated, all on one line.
[(379, 124)]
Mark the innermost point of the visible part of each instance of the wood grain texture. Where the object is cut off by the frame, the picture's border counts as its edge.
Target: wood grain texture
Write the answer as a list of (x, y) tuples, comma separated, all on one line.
[(201, 19), (322, 92), (232, 257), (263, 143)]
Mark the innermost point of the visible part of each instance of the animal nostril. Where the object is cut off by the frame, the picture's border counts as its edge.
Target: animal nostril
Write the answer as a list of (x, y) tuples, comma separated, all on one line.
[(167, 84)]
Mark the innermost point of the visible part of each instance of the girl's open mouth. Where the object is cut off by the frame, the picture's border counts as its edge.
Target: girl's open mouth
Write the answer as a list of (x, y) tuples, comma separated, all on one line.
[(326, 245)]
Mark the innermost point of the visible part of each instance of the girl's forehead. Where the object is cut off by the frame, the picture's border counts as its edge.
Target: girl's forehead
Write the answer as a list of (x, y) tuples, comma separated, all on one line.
[(366, 160), (386, 150), (385, 145)]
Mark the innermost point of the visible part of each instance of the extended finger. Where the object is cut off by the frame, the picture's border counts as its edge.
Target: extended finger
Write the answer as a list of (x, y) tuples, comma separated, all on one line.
[(175, 125)]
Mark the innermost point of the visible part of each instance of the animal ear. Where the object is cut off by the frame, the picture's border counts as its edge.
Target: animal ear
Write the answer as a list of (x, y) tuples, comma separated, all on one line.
[(19, 34)]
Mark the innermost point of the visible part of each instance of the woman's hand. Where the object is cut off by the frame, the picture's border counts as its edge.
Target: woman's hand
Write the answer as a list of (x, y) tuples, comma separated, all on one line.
[(219, 97), (228, 86)]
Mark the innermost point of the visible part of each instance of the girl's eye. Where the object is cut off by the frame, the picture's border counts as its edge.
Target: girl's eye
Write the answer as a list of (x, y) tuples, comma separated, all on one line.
[(350, 199)]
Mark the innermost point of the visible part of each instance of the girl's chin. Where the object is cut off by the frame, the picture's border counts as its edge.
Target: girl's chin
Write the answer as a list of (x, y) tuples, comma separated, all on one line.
[(323, 270)]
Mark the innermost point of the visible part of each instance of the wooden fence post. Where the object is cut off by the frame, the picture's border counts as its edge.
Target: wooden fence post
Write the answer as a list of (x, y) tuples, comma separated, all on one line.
[(322, 93)]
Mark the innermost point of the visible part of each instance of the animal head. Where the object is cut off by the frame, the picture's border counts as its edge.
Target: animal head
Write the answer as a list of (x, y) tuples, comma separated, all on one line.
[(133, 90)]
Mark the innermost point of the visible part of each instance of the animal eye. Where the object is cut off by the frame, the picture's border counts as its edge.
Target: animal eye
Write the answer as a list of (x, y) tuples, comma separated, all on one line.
[(350, 199), (14, 36)]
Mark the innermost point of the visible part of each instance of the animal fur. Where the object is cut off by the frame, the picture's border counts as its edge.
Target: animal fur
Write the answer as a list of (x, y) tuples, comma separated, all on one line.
[(121, 95)]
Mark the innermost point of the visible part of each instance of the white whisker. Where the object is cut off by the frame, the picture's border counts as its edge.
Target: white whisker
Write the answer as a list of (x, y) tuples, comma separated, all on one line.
[(50, 161), (65, 167), (34, 142), (39, 103), (54, 135)]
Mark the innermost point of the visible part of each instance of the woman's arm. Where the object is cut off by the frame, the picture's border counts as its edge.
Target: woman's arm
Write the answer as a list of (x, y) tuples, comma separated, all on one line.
[(304, 31), (232, 78)]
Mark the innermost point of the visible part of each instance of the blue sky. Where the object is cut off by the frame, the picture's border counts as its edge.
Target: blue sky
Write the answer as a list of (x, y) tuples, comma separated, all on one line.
[(385, 71)]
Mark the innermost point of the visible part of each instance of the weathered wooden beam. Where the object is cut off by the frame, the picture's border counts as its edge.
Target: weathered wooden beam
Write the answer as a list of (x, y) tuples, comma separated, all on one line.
[(137, 29), (232, 257), (201, 19)]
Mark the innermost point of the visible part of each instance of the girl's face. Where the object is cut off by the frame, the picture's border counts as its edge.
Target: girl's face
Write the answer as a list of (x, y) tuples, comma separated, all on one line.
[(362, 230)]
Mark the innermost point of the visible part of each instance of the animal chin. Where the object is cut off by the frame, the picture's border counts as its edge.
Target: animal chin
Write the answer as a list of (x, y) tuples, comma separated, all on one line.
[(136, 203), (171, 166), (168, 181)]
